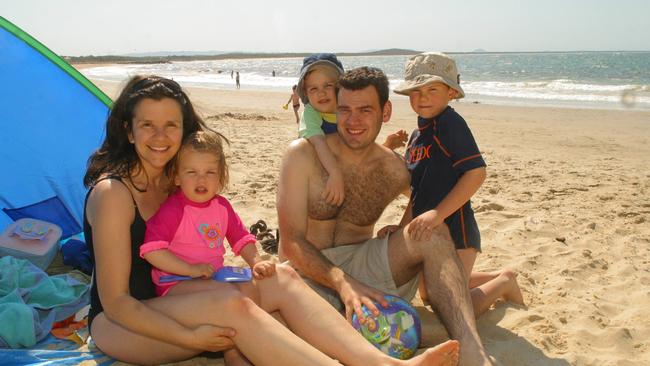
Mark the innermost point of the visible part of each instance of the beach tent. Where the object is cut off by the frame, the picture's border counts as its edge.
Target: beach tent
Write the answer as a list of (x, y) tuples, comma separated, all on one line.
[(51, 119)]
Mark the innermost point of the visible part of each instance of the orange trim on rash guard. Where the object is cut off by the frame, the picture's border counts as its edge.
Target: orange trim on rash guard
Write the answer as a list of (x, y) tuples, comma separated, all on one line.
[(424, 127), (462, 224), (444, 151), (465, 159)]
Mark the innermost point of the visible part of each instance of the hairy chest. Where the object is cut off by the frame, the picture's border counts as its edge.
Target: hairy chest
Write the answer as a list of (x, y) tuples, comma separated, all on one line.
[(368, 190)]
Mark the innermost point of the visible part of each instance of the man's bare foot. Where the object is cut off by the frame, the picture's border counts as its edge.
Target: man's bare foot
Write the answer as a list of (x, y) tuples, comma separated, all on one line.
[(444, 354), (512, 291)]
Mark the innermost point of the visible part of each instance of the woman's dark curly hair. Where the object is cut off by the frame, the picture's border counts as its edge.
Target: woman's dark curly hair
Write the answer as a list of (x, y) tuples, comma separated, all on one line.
[(117, 156)]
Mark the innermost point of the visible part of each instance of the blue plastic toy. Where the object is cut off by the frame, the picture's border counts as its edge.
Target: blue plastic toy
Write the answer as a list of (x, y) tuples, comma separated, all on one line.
[(224, 274), (396, 331)]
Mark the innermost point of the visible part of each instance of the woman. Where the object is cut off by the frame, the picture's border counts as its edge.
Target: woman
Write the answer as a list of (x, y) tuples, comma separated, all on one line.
[(129, 178)]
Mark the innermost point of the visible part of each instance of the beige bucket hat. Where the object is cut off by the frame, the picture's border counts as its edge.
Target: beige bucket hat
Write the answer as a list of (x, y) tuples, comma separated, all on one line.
[(430, 67)]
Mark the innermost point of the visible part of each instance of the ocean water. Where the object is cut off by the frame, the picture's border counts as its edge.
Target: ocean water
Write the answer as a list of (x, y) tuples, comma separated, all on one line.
[(606, 80)]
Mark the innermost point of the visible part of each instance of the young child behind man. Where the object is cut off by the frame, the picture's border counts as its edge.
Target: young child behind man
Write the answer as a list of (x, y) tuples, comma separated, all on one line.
[(186, 235), (317, 90), (446, 170)]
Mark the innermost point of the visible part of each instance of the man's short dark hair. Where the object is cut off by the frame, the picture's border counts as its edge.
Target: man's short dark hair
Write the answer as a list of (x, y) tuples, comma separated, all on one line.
[(362, 77)]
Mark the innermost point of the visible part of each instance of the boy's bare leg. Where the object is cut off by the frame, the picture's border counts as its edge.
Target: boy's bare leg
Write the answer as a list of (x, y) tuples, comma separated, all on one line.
[(476, 279), (446, 284), (504, 286)]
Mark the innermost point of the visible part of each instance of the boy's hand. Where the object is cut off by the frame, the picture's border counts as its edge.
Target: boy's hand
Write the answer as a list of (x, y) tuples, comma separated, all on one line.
[(386, 230), (263, 269), (202, 270), (334, 193), (422, 226), (397, 139)]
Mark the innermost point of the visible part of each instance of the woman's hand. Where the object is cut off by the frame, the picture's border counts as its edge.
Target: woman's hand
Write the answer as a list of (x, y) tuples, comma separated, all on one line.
[(212, 338)]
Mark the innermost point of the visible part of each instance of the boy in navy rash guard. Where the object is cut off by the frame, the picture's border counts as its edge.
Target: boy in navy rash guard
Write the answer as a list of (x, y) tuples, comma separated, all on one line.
[(446, 170)]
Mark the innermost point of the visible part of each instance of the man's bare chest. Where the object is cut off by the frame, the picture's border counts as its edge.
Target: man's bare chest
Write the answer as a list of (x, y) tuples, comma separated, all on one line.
[(368, 190)]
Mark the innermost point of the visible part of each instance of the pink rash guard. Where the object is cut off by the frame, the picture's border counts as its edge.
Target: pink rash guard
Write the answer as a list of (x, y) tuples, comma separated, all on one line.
[(194, 232)]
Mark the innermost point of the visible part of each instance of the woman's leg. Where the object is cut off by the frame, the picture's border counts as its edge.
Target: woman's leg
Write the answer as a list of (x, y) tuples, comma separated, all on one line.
[(233, 357), (223, 306)]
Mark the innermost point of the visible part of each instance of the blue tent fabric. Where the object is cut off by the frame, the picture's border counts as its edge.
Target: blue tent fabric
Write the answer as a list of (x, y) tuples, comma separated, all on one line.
[(50, 210), (49, 125)]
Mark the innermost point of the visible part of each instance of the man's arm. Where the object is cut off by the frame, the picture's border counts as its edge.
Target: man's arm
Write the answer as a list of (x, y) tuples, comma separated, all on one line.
[(292, 205), (292, 201)]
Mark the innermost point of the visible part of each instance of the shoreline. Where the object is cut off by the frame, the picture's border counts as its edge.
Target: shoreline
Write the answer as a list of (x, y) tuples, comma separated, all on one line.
[(225, 84)]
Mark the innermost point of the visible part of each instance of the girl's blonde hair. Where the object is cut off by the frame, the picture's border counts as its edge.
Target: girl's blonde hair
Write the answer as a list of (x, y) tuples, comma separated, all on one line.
[(208, 142)]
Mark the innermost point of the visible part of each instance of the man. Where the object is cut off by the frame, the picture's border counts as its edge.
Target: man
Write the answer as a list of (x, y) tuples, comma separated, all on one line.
[(333, 246)]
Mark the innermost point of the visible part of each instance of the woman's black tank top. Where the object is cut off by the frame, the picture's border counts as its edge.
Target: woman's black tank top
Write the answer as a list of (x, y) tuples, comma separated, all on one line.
[(140, 285)]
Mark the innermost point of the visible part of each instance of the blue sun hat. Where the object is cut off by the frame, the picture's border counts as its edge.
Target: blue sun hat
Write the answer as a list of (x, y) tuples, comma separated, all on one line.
[(325, 59)]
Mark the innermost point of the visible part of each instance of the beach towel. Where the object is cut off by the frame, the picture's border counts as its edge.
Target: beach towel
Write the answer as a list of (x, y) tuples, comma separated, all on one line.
[(31, 301)]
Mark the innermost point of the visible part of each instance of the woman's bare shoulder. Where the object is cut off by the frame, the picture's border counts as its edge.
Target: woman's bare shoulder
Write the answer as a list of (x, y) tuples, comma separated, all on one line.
[(111, 197)]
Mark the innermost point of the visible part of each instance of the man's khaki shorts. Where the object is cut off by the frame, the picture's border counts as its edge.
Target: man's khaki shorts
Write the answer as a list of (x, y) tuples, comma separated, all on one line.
[(368, 263)]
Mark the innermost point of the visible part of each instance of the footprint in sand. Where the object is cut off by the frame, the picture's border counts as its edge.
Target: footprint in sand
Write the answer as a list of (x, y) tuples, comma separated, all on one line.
[(492, 206)]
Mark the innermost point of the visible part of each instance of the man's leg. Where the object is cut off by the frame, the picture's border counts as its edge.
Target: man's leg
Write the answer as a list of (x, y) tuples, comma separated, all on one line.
[(446, 286)]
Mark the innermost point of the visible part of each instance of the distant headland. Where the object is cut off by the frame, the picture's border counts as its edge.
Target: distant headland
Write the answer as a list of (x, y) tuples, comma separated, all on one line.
[(166, 57)]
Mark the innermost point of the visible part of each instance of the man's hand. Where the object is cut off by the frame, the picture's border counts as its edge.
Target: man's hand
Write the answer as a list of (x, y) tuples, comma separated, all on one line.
[(212, 338), (354, 294), (422, 226), (334, 192), (397, 139), (202, 270), (387, 230), (263, 269)]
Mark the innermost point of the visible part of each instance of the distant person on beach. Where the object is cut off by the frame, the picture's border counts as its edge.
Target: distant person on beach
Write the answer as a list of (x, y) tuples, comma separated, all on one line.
[(186, 236), (294, 99), (334, 246), (128, 179), (237, 80), (273, 73), (446, 169), (231, 73)]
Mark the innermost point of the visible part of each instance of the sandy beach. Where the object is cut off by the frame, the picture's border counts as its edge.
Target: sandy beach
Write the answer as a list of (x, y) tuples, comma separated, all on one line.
[(566, 204)]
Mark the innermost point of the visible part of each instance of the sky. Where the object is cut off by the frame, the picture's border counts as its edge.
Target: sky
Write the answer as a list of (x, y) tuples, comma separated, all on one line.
[(113, 27)]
